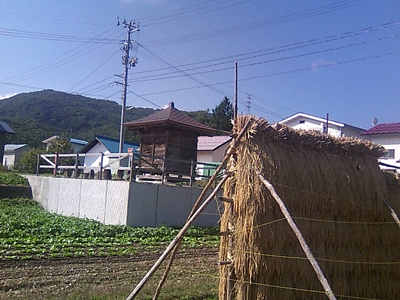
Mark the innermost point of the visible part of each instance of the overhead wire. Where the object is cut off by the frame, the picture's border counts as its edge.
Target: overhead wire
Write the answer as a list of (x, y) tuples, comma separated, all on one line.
[(257, 25), (58, 61)]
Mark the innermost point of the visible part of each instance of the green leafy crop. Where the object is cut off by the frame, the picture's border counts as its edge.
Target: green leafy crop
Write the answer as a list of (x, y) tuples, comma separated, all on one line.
[(28, 232)]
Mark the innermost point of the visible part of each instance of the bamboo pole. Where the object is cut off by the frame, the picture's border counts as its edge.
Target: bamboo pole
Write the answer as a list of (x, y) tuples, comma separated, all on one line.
[(392, 212), (229, 152), (176, 239), (324, 282)]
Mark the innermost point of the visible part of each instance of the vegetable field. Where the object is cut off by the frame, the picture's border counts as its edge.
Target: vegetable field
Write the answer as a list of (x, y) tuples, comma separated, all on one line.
[(28, 232), (48, 256)]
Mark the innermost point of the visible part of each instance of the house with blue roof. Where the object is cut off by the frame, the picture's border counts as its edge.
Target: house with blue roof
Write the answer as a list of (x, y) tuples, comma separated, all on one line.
[(97, 150)]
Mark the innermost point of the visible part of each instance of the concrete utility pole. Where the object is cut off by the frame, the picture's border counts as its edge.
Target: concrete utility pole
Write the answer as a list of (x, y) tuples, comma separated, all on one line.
[(128, 63)]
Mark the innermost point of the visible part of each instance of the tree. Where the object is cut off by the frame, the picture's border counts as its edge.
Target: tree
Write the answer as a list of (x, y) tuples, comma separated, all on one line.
[(60, 145), (222, 115), (27, 163)]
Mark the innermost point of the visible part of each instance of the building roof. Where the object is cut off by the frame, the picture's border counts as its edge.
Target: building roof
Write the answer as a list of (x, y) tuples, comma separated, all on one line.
[(322, 120), (5, 128), (50, 139), (112, 145), (211, 143), (78, 142), (72, 141), (383, 129), (303, 115), (13, 147), (172, 117)]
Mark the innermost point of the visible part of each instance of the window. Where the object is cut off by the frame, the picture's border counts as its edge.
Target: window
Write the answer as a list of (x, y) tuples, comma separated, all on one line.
[(389, 154), (302, 121)]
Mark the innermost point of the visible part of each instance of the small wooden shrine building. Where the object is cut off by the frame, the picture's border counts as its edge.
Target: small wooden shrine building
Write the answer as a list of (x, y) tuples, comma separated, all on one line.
[(168, 140)]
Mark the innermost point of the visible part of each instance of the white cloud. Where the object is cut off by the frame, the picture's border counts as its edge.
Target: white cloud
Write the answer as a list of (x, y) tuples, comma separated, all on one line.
[(316, 64), (6, 96)]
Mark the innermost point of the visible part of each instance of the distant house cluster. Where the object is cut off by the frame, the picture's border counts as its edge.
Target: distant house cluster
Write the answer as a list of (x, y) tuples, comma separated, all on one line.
[(161, 134), (387, 135)]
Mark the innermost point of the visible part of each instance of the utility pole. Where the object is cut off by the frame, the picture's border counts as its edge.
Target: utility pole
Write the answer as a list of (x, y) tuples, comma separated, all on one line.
[(235, 97), (128, 62), (248, 104)]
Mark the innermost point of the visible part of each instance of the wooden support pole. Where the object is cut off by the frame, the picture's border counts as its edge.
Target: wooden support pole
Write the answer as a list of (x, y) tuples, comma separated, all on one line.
[(392, 212), (324, 282), (229, 152), (176, 239)]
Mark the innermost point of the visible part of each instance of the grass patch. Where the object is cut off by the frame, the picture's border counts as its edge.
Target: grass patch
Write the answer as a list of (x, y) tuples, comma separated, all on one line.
[(11, 178)]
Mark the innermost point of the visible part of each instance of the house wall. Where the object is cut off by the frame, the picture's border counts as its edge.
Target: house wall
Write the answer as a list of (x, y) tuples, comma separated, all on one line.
[(351, 131), (310, 124), (94, 161), (390, 142), (204, 156), (11, 158), (120, 202), (219, 153)]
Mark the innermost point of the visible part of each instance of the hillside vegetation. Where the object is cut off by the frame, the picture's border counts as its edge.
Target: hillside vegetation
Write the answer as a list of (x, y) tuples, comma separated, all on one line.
[(39, 115)]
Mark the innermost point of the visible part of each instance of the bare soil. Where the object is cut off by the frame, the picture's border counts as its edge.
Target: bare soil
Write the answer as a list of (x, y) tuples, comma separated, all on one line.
[(194, 276)]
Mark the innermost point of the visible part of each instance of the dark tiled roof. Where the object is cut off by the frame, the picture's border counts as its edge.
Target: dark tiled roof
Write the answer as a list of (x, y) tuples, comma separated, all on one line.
[(173, 117), (383, 129)]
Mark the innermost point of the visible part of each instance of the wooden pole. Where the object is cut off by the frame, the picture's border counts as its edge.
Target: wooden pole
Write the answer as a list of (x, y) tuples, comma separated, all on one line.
[(324, 282), (228, 154), (176, 240), (392, 212), (235, 106)]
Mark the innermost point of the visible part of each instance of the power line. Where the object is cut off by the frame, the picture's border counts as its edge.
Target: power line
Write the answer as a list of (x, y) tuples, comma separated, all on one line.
[(154, 77), (257, 25)]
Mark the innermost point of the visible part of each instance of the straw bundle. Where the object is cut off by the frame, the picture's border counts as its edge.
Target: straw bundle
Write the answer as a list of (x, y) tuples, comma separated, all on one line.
[(333, 188)]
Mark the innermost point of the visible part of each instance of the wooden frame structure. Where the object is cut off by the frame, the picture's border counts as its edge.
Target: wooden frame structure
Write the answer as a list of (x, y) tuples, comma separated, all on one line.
[(172, 135)]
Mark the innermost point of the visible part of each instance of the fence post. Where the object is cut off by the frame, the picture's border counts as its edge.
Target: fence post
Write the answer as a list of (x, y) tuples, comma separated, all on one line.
[(133, 169), (55, 164), (38, 165), (76, 166), (192, 173), (163, 172), (101, 166)]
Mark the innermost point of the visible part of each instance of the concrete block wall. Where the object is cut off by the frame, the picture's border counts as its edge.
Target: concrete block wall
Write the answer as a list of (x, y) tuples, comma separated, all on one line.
[(120, 202)]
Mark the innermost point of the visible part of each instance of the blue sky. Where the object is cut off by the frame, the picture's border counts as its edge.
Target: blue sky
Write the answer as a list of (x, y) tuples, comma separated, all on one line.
[(316, 57)]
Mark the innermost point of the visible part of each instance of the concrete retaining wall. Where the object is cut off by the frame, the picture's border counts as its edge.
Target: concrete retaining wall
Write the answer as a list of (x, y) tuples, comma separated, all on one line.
[(120, 202), (14, 191)]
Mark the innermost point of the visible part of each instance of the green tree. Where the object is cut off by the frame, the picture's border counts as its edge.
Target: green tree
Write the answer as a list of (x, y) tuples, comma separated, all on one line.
[(222, 115), (60, 145), (27, 163), (202, 116)]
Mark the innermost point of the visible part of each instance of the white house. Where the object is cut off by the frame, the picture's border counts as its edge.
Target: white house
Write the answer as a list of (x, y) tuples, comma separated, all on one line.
[(210, 151), (104, 145), (76, 144), (212, 148), (387, 135), (309, 122), (13, 153)]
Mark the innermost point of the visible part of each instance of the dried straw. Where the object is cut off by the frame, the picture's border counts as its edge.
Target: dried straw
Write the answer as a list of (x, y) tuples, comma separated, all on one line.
[(333, 187)]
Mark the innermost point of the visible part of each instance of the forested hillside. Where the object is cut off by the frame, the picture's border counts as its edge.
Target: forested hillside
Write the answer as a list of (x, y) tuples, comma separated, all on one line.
[(39, 115)]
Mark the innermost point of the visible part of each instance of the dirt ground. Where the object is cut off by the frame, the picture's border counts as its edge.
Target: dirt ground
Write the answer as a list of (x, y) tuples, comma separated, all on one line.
[(109, 277)]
